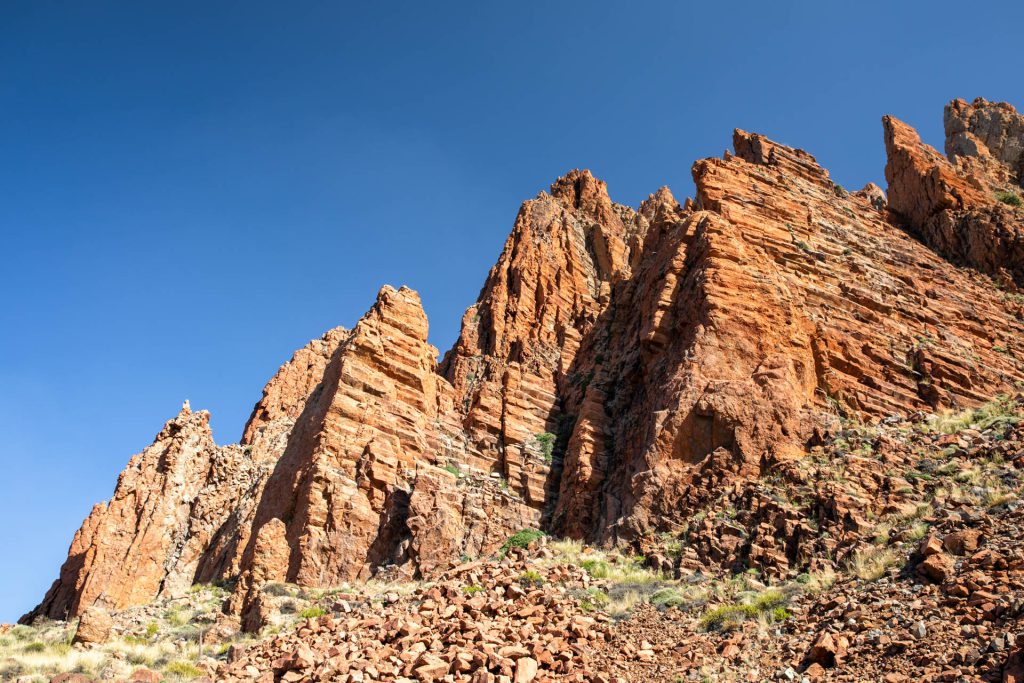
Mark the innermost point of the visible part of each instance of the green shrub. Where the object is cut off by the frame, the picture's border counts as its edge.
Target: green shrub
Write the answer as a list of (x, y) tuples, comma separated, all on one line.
[(312, 612), (1009, 198), (522, 539), (451, 469), (472, 590), (177, 616), (36, 646), (151, 629), (546, 440)]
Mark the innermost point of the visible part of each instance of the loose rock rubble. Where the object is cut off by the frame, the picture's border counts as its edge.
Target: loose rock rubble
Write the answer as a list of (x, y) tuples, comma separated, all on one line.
[(481, 622)]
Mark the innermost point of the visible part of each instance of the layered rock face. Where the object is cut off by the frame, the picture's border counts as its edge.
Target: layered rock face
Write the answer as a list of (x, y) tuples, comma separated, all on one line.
[(955, 205), (512, 360), (779, 301), (619, 368)]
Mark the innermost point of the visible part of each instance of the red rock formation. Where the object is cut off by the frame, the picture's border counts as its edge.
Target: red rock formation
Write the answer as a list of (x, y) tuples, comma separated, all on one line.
[(121, 555), (986, 138), (285, 395), (618, 369), (744, 327), (365, 453), (954, 208), (540, 300)]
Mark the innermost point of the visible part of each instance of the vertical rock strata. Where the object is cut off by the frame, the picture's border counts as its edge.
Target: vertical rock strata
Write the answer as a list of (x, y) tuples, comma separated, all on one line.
[(619, 368)]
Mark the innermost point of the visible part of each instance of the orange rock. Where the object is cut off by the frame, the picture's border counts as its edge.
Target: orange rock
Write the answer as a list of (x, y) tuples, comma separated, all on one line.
[(954, 208)]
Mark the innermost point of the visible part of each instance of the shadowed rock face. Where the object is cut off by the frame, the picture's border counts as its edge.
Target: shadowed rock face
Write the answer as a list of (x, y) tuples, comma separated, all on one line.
[(618, 369)]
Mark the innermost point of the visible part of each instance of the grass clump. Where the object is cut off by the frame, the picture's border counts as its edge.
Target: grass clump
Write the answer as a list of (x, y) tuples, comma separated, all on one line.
[(312, 612), (183, 670), (177, 617), (871, 564), (151, 629), (1009, 198), (472, 590), (522, 539), (22, 632), (1001, 412), (594, 600), (621, 570), (769, 606), (818, 581), (667, 597), (451, 469)]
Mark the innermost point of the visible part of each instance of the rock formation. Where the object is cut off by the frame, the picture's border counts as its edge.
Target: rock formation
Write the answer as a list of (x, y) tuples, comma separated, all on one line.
[(958, 206), (619, 368)]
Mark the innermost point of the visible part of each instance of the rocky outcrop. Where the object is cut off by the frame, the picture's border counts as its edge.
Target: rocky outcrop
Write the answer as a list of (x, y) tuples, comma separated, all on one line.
[(514, 356), (754, 318), (986, 139), (619, 370), (285, 395), (122, 553), (959, 207)]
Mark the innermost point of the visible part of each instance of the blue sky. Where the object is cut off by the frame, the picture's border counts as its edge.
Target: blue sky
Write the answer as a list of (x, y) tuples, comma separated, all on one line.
[(189, 191)]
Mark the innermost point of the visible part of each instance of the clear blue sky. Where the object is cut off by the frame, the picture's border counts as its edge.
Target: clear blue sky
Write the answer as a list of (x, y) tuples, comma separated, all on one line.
[(190, 190)]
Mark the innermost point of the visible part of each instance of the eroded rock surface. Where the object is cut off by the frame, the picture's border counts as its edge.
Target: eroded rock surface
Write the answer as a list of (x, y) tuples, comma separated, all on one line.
[(959, 207)]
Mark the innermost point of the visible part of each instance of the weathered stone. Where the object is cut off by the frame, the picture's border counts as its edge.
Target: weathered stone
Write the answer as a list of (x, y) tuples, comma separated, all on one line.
[(94, 626)]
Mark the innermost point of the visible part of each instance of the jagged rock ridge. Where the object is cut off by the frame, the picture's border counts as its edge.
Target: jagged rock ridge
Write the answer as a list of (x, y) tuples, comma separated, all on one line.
[(618, 367)]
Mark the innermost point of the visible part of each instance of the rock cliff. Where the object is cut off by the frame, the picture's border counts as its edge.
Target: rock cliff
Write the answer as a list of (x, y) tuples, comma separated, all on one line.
[(618, 370)]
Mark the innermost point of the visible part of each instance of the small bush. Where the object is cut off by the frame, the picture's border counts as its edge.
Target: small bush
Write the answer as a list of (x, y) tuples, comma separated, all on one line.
[(151, 629), (546, 440), (177, 617), (522, 539), (451, 469), (35, 647), (1009, 198), (312, 612), (667, 597), (472, 590)]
